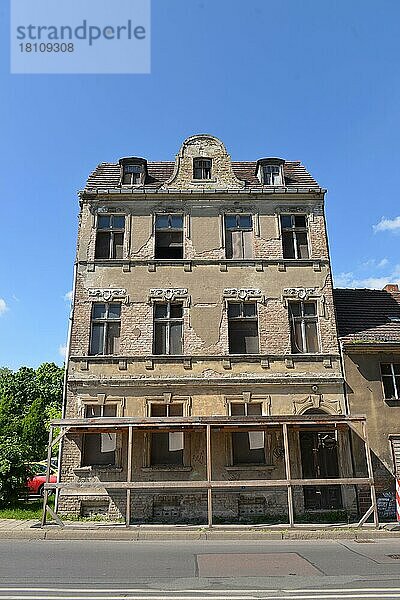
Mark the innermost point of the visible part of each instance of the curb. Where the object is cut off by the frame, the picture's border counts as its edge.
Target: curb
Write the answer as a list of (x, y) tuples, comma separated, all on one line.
[(113, 534)]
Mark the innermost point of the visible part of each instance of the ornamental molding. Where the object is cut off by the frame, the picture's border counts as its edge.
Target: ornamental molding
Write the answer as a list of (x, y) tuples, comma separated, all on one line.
[(316, 401), (168, 294), (243, 293), (110, 209), (106, 294), (300, 293), (293, 209)]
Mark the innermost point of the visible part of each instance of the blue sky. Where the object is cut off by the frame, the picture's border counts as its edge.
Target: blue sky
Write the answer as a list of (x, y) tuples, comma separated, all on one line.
[(305, 80)]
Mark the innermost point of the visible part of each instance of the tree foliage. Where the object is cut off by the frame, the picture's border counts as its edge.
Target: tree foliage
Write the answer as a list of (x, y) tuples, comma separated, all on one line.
[(29, 399)]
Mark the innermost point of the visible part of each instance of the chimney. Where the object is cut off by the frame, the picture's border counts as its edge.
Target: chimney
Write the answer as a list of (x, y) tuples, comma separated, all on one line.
[(392, 288)]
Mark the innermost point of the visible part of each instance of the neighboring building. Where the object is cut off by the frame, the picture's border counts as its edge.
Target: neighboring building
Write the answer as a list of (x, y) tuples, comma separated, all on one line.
[(203, 303), (369, 330)]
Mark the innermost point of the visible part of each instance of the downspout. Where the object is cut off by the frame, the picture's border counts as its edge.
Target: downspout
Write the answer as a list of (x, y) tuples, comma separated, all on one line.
[(345, 394)]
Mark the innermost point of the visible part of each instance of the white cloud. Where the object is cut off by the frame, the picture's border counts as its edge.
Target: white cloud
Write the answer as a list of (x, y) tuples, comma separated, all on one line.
[(3, 306), (387, 225), (373, 263), (62, 350), (349, 280), (68, 296)]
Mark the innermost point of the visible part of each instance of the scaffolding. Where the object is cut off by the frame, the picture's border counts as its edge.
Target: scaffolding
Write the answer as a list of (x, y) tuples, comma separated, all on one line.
[(210, 485)]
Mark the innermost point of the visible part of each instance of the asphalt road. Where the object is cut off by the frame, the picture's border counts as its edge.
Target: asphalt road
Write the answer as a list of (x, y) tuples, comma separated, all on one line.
[(199, 569)]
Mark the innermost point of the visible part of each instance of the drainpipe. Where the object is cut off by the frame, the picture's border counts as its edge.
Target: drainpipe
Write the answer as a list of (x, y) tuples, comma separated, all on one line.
[(345, 395)]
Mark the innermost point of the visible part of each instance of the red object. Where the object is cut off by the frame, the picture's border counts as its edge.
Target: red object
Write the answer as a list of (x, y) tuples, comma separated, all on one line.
[(37, 480)]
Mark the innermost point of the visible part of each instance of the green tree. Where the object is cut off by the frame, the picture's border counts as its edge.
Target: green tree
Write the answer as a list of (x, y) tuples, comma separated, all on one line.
[(29, 399)]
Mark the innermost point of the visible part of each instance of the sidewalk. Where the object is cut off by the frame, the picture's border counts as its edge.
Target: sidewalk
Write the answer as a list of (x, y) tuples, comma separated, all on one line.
[(95, 530)]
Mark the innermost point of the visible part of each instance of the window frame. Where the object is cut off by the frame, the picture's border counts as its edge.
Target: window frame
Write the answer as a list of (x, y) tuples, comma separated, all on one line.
[(265, 167), (295, 231), (230, 437), (106, 322), (242, 319), (111, 230), (118, 440), (238, 228), (140, 172), (395, 384), (184, 402), (170, 229), (303, 319), (169, 321), (205, 169)]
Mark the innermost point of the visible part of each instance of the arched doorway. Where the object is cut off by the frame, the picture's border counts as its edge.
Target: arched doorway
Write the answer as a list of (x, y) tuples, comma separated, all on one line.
[(319, 460)]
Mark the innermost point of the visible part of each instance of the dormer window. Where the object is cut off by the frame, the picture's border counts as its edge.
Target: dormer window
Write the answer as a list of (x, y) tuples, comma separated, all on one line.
[(202, 168), (132, 174), (270, 171), (272, 175), (133, 171)]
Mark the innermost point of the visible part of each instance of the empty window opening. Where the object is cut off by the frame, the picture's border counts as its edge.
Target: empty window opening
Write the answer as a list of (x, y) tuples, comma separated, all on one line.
[(169, 236), (168, 328), (294, 236), (110, 236), (248, 447), (303, 327), (105, 328), (243, 328), (166, 448), (99, 448), (239, 236)]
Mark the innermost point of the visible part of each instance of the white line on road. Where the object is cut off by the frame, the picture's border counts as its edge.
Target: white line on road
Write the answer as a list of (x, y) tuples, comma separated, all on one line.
[(261, 595)]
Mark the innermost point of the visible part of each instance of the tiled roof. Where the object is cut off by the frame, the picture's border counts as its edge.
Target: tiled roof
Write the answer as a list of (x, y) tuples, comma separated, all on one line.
[(367, 316), (107, 175)]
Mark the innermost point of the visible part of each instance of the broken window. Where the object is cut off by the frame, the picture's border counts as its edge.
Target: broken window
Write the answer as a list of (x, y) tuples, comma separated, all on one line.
[(248, 447), (294, 236), (105, 328), (169, 236), (272, 175), (99, 448), (168, 328), (166, 448), (303, 327), (132, 174), (391, 380), (110, 236), (239, 236), (202, 168), (242, 328)]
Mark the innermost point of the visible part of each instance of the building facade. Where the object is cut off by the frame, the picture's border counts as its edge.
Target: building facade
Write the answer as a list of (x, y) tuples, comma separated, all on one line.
[(203, 289), (369, 330)]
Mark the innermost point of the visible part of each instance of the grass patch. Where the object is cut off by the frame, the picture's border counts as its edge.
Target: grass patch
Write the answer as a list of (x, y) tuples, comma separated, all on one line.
[(25, 510)]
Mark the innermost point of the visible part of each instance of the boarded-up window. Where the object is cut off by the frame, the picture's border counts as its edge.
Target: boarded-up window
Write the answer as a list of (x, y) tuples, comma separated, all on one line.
[(110, 236), (303, 327), (105, 328), (166, 447), (169, 236), (243, 328), (294, 236), (99, 448), (248, 447), (238, 236)]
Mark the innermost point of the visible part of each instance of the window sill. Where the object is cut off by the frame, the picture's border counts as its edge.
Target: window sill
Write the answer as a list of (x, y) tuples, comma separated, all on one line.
[(251, 468), (167, 468), (87, 470), (203, 181)]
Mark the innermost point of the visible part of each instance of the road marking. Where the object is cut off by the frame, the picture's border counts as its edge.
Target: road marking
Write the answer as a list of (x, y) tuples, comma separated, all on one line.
[(260, 594)]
